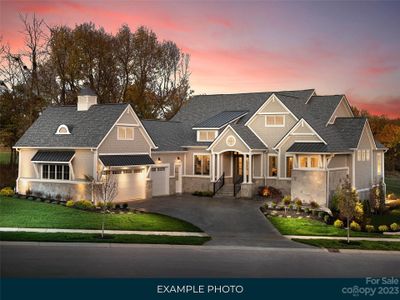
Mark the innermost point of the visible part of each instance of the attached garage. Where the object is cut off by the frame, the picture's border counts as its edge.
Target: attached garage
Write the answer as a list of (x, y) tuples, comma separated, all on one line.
[(160, 180), (130, 172)]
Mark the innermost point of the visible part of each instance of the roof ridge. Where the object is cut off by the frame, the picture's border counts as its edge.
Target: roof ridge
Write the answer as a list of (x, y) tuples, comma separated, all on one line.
[(164, 121)]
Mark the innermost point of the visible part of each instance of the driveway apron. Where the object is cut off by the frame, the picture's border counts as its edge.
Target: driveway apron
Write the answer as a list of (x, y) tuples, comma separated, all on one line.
[(230, 222)]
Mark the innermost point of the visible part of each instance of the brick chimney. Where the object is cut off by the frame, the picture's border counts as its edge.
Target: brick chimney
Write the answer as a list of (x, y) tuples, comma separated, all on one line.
[(86, 98)]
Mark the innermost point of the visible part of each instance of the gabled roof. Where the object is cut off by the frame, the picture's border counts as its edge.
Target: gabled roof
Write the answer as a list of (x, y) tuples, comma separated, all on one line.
[(219, 120), (87, 128), (308, 148), (248, 136)]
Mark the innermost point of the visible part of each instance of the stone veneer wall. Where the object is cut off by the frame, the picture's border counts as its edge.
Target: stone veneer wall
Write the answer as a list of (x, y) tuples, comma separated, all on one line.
[(283, 185), (77, 191), (310, 186), (191, 184)]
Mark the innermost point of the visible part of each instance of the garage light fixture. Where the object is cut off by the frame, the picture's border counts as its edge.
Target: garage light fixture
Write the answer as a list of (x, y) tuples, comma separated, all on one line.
[(158, 160)]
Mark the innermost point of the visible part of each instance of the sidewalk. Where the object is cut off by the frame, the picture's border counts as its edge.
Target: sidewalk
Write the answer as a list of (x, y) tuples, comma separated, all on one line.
[(313, 237), (137, 232)]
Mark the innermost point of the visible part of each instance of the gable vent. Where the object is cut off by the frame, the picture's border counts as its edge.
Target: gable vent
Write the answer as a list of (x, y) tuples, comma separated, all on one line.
[(63, 129)]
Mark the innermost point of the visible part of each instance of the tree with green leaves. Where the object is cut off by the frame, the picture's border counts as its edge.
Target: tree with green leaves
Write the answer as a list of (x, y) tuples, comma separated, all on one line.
[(347, 203)]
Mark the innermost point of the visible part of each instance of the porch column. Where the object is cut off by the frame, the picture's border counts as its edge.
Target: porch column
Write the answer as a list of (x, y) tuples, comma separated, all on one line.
[(212, 167), (218, 166), (245, 168), (250, 168)]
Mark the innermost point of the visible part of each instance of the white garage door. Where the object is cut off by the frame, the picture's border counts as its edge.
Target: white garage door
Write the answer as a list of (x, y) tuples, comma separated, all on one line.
[(160, 180), (131, 184)]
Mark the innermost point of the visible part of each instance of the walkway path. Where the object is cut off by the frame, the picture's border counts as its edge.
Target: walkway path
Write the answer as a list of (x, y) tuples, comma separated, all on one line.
[(313, 237), (137, 232)]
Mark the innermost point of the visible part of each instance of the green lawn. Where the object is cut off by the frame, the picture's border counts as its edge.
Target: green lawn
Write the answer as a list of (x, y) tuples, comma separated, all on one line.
[(27, 213), (392, 184), (92, 238), (4, 157), (342, 244), (288, 226)]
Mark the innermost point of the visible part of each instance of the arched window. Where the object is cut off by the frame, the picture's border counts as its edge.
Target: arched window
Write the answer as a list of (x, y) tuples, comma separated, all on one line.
[(62, 129)]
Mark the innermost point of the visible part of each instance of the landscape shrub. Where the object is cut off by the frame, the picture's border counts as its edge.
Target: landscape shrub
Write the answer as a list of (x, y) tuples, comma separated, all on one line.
[(359, 212), (273, 205), (383, 228), (69, 203), (355, 226), (391, 196), (394, 227), (48, 196), (291, 206), (395, 212), (58, 197), (306, 210), (314, 212), (327, 219), (124, 205), (314, 204), (393, 204), (287, 199), (321, 214), (117, 206), (334, 204), (369, 228), (338, 223), (202, 193), (269, 191), (100, 204), (7, 191), (83, 204), (28, 192), (298, 202)]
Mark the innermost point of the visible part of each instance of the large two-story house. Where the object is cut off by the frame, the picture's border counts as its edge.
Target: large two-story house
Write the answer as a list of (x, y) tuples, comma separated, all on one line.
[(297, 141)]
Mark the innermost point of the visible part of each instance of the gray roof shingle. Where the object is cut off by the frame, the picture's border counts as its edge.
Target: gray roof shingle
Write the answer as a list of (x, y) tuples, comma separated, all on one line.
[(248, 136), (220, 119), (87, 128), (126, 160), (53, 156)]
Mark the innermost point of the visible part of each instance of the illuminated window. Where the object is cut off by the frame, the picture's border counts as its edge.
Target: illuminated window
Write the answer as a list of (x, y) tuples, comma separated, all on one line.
[(379, 163), (289, 166), (275, 121), (125, 133), (202, 164), (272, 165), (206, 135), (309, 161)]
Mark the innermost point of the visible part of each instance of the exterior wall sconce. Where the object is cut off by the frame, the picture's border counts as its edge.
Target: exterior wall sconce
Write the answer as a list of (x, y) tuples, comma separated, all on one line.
[(158, 160)]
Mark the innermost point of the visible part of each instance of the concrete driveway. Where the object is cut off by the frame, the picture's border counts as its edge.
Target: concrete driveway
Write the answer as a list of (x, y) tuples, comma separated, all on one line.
[(230, 222)]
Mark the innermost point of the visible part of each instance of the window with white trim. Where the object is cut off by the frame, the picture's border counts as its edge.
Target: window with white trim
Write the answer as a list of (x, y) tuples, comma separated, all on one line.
[(206, 135), (363, 155), (201, 164), (274, 120), (272, 165), (125, 133), (62, 129), (379, 163), (289, 166), (55, 172), (309, 161)]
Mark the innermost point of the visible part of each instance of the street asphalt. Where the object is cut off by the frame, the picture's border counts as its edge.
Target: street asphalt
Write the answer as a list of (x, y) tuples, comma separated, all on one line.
[(58, 260)]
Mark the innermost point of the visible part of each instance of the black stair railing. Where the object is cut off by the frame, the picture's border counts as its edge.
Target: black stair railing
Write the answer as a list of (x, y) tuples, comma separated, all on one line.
[(219, 183), (237, 186)]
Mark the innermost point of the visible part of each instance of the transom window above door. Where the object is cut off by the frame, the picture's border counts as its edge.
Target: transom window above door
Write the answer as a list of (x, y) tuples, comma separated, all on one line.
[(274, 121)]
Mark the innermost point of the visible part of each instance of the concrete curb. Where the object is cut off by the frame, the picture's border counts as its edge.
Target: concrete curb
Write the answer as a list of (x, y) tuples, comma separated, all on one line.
[(133, 232), (312, 237)]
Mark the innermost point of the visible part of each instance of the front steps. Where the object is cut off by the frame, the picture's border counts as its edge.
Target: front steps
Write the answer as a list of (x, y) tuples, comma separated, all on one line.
[(225, 191)]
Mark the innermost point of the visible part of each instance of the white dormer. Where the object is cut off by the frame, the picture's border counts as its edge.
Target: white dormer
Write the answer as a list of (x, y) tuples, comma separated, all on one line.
[(86, 99), (62, 129)]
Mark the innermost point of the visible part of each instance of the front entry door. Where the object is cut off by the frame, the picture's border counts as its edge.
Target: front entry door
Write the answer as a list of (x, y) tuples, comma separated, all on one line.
[(237, 166)]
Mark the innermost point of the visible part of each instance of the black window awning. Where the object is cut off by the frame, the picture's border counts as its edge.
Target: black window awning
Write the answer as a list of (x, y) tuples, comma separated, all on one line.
[(53, 156), (308, 148), (126, 160)]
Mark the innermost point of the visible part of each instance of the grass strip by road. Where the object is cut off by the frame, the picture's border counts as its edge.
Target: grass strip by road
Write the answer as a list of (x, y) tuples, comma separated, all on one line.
[(96, 238), (342, 244), (291, 226), (35, 214)]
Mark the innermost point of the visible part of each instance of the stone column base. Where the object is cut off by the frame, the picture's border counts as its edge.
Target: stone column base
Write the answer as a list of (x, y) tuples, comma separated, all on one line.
[(247, 190)]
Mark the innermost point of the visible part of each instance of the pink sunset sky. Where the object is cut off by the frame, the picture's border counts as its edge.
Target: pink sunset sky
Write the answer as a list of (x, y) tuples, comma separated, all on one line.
[(350, 48)]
